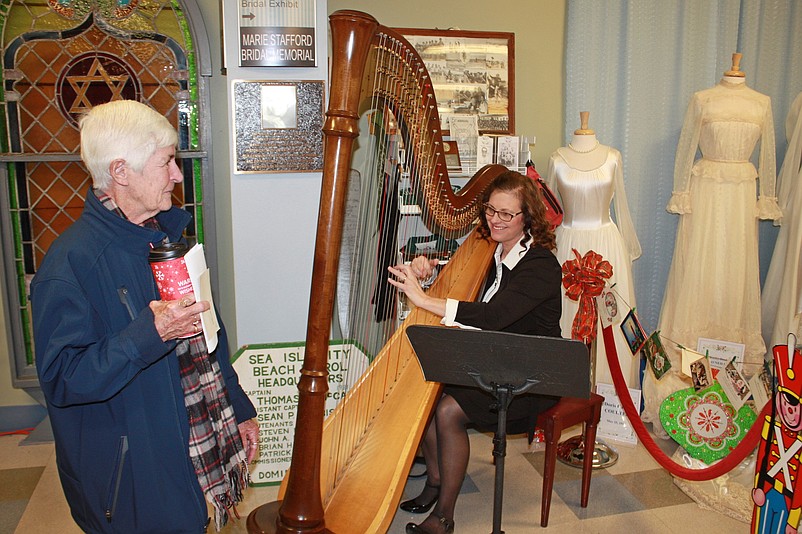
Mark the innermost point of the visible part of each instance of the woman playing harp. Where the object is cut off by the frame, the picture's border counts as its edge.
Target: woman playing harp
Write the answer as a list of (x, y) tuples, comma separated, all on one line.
[(363, 452), (521, 295)]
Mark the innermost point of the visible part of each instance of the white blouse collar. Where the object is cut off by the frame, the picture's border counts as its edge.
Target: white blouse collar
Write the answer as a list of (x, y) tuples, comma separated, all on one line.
[(514, 256)]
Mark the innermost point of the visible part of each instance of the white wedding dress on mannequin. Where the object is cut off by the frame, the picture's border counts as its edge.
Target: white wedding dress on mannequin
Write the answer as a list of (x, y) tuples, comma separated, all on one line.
[(713, 288), (588, 177), (782, 292)]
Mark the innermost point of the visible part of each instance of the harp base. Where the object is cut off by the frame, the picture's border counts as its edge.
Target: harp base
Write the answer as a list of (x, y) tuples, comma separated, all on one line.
[(263, 520)]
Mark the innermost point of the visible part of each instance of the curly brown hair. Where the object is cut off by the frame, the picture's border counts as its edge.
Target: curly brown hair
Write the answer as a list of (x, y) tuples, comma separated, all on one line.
[(532, 208)]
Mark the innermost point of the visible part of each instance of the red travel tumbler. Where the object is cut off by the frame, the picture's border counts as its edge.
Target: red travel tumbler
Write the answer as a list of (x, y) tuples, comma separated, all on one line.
[(170, 270)]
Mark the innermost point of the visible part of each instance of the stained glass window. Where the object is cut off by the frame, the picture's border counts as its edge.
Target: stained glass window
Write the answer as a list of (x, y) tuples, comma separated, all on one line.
[(60, 58)]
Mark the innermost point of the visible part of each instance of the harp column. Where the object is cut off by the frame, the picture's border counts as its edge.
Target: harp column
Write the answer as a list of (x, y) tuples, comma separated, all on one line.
[(301, 511)]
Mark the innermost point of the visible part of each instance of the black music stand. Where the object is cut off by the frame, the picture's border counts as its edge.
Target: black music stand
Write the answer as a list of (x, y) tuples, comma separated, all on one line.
[(503, 365)]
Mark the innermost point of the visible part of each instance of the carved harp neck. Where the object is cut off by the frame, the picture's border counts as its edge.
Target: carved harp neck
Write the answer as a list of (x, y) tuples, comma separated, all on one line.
[(398, 80)]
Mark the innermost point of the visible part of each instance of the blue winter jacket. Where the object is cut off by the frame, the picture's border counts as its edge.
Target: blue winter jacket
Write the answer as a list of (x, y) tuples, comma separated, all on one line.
[(112, 385)]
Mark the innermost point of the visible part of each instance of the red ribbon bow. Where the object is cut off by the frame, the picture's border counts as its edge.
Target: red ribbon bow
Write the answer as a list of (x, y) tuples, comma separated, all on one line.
[(583, 280)]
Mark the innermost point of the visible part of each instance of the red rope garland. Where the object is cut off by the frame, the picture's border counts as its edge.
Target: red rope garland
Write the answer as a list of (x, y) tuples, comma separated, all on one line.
[(726, 464)]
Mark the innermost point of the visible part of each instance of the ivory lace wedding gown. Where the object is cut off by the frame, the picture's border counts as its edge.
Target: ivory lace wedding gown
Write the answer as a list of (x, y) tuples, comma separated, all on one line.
[(586, 195), (713, 288), (782, 292)]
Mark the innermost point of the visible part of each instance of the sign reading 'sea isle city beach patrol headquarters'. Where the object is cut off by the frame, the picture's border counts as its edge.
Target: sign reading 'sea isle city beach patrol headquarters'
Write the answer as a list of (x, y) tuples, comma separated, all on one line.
[(269, 375), (277, 33)]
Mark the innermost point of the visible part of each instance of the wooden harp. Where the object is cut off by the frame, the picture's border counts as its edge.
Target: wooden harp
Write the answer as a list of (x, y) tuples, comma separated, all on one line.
[(348, 474)]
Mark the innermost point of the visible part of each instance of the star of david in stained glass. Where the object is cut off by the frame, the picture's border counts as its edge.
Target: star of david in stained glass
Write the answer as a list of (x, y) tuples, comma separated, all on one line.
[(94, 78), (78, 9)]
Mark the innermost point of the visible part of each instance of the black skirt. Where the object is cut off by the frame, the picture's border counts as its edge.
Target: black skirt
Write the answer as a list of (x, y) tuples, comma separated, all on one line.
[(521, 414)]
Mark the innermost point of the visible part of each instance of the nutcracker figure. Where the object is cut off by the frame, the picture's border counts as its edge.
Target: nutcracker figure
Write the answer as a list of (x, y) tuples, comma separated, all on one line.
[(777, 504)]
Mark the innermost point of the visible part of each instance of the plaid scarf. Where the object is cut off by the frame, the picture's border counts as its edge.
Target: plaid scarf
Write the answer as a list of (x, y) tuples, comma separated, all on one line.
[(215, 446)]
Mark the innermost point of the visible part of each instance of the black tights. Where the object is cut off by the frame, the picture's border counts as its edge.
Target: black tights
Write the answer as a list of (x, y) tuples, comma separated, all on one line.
[(446, 449)]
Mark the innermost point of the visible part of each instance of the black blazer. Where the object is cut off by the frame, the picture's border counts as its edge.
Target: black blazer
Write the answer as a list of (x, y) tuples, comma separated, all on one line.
[(528, 301)]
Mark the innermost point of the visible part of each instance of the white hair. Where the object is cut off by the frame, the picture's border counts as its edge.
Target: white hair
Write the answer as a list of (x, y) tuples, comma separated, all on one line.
[(122, 129)]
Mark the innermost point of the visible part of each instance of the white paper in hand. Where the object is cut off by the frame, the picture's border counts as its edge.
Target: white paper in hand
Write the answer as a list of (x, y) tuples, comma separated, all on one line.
[(202, 287)]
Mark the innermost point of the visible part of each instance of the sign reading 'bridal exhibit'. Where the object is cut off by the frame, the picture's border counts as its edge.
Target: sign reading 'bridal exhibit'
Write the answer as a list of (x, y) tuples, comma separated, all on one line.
[(276, 33), (269, 375)]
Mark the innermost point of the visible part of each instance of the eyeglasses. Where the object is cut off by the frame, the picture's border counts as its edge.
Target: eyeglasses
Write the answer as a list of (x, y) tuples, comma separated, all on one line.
[(505, 216)]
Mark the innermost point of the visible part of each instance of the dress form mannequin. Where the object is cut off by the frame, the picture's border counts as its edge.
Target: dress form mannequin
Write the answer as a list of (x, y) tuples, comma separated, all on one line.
[(716, 248), (735, 75), (584, 150), (588, 177)]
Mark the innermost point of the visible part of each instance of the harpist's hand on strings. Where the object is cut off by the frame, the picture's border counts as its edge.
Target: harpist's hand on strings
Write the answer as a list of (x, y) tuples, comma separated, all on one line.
[(404, 278), (423, 267)]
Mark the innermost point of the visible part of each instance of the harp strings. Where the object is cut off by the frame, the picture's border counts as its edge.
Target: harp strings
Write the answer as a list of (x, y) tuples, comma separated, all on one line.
[(399, 107), (397, 110)]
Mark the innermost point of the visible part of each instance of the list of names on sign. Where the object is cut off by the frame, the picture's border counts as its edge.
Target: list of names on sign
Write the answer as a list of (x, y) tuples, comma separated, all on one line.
[(269, 375)]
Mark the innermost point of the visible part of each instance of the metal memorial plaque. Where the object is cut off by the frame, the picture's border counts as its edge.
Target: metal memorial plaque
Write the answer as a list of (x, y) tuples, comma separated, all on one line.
[(278, 126)]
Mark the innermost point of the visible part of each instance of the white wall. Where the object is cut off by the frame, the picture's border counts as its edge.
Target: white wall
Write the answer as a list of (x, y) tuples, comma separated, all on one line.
[(273, 217)]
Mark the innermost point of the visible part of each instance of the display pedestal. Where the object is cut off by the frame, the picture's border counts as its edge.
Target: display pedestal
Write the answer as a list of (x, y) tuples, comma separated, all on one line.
[(572, 452), (504, 365)]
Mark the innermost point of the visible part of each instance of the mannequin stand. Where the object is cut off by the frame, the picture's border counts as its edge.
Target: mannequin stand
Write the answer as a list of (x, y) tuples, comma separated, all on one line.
[(572, 452)]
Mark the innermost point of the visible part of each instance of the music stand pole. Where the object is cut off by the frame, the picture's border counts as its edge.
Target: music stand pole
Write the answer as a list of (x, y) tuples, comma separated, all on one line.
[(503, 395)]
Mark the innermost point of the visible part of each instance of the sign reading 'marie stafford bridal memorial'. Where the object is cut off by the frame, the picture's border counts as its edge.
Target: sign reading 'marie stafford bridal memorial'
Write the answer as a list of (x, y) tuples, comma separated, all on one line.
[(276, 33)]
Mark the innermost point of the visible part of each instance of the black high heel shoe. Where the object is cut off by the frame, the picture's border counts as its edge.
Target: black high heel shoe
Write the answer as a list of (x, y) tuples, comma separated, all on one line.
[(414, 507), (447, 524)]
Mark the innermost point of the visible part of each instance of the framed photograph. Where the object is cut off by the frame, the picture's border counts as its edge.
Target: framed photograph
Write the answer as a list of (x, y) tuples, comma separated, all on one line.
[(633, 332), (656, 355), (279, 106), (485, 150), (607, 306), (761, 384), (688, 357), (721, 353), (451, 154), (507, 151), (734, 385), (464, 129), (700, 373), (473, 73)]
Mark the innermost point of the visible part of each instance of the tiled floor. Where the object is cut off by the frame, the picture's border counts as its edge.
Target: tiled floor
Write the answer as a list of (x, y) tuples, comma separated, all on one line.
[(634, 495)]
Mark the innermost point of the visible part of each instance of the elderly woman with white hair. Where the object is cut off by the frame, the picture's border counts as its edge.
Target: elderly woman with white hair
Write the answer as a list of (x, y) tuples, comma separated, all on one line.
[(148, 425)]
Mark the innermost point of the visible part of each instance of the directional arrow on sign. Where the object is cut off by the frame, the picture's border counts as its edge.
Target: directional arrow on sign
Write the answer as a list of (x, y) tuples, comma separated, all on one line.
[(249, 16)]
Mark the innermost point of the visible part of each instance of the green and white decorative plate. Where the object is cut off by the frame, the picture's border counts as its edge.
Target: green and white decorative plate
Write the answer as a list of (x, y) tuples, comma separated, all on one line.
[(704, 422)]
